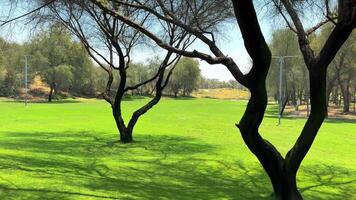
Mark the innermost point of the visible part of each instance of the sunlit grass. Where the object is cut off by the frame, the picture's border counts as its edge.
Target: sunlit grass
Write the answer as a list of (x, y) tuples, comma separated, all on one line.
[(183, 149)]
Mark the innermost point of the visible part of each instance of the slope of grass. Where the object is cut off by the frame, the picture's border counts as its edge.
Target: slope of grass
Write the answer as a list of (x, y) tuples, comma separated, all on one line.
[(184, 149)]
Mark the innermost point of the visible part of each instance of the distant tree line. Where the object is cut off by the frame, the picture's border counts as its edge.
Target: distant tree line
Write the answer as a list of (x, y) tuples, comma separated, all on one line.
[(340, 85), (61, 62), (206, 83), (65, 66)]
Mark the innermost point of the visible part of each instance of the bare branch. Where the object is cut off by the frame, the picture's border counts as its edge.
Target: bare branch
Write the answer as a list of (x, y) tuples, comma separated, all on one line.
[(3, 23)]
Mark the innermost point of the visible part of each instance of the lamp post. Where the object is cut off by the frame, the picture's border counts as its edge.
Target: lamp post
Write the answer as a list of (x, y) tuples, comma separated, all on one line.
[(26, 78), (281, 61)]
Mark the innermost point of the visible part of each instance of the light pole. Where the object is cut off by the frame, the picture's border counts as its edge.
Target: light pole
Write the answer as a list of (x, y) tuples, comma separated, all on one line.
[(281, 62), (26, 79)]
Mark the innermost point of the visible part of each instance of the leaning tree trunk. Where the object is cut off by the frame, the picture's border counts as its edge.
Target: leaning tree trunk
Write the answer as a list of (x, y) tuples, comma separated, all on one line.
[(281, 175), (283, 180)]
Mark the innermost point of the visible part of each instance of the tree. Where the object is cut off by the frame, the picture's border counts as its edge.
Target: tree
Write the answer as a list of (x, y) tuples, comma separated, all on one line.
[(60, 78), (56, 56), (345, 70), (109, 42), (341, 70), (11, 68), (281, 170), (83, 71), (185, 77), (10, 84)]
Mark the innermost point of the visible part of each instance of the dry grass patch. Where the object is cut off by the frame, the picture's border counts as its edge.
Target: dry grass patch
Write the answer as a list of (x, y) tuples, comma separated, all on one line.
[(222, 93)]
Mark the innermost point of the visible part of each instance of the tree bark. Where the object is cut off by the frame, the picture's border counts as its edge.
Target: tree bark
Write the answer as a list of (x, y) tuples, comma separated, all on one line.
[(126, 136), (285, 187)]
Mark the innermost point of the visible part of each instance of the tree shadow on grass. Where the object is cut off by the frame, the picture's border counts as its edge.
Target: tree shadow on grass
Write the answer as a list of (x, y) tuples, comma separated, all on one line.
[(85, 165), (328, 182)]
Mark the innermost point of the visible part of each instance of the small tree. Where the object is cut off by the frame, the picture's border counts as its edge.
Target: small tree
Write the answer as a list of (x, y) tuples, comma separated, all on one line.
[(56, 57), (60, 78), (109, 42), (185, 77)]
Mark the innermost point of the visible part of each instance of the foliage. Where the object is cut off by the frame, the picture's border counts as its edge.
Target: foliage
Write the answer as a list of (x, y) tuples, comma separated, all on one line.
[(54, 49), (185, 77)]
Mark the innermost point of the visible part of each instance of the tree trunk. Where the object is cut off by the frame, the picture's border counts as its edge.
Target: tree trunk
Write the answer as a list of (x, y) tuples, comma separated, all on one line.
[(126, 136), (335, 96), (285, 187), (50, 93), (124, 133)]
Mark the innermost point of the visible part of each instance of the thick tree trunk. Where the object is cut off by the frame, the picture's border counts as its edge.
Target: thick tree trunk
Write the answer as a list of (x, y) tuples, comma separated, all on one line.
[(124, 133), (126, 136), (285, 187)]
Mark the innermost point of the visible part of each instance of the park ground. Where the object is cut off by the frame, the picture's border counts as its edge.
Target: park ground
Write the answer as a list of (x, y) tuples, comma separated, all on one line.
[(187, 148)]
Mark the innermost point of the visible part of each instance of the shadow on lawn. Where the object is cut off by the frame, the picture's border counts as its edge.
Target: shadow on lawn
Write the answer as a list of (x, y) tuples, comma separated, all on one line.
[(85, 165)]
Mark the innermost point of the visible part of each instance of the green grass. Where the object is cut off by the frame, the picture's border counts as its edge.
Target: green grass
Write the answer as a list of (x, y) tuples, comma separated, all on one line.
[(184, 149)]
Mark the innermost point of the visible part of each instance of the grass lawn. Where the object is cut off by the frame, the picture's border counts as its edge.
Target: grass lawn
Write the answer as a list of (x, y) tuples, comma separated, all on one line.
[(184, 149)]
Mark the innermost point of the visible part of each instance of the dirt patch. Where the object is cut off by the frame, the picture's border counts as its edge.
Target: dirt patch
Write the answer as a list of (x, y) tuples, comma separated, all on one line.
[(334, 112)]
